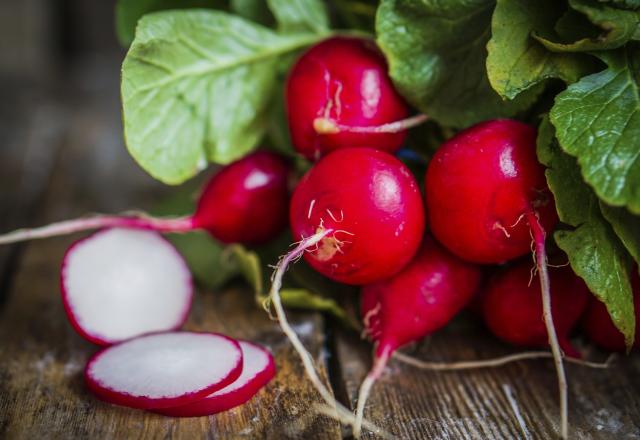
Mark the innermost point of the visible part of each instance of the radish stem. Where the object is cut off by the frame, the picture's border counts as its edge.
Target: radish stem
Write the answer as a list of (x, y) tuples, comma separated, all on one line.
[(328, 126), (545, 287), (179, 224)]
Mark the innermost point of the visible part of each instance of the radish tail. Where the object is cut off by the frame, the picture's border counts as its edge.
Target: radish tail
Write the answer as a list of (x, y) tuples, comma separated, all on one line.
[(495, 362), (545, 287), (365, 389), (336, 410), (328, 126), (180, 224)]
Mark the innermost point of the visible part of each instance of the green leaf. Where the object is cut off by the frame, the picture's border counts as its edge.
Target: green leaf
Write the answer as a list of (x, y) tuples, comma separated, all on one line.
[(196, 86), (626, 227), (597, 120), (626, 4), (594, 251), (616, 28), (437, 56), (128, 12), (517, 61), (300, 16), (294, 295)]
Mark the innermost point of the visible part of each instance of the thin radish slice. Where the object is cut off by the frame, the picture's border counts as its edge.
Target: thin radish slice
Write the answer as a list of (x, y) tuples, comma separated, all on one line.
[(258, 369), (164, 370), (121, 283)]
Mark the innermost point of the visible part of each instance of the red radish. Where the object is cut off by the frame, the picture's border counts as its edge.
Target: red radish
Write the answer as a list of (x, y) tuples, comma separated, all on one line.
[(488, 200), (492, 170), (370, 203), (599, 328), (258, 369), (512, 306), (340, 95), (420, 299), (246, 202), (164, 370), (120, 283)]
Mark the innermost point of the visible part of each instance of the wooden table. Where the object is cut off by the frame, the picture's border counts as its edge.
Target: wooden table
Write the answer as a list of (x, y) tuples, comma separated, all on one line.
[(61, 155)]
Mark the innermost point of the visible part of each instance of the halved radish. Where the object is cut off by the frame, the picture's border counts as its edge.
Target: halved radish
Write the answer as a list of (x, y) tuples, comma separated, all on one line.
[(258, 369), (164, 369), (120, 283)]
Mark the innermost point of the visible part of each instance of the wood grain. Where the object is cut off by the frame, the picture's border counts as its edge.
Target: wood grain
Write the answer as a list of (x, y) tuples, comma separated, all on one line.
[(42, 394), (410, 403)]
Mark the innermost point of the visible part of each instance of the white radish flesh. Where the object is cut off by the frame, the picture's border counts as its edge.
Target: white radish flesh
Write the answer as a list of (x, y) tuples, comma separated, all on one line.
[(164, 370), (258, 369), (121, 283)]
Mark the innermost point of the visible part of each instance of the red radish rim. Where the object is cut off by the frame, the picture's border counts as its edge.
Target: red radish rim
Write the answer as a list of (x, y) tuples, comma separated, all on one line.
[(224, 401), (141, 402), (106, 342)]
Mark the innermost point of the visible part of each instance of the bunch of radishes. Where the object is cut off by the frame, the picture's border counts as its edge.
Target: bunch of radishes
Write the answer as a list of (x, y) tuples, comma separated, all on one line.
[(360, 219)]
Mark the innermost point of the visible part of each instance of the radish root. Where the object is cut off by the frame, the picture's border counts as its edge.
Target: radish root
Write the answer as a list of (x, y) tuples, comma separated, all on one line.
[(545, 287), (365, 389), (334, 409), (496, 362), (141, 221), (325, 125)]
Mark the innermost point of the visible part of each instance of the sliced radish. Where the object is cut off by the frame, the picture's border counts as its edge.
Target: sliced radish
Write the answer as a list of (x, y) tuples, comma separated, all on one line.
[(120, 283), (164, 370), (258, 369)]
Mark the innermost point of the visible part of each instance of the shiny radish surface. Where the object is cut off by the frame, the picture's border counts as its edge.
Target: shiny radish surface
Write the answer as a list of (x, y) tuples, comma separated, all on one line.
[(258, 368), (245, 202), (120, 283), (371, 204), (480, 185), (342, 81), (512, 306), (164, 369), (421, 298)]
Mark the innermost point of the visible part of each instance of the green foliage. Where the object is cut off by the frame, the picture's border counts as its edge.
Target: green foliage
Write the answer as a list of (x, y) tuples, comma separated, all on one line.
[(597, 120), (594, 251), (517, 61), (196, 86), (437, 56)]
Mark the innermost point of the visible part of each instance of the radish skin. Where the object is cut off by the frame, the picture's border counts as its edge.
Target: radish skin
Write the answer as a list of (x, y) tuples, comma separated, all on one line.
[(339, 95), (117, 284), (150, 372), (246, 202), (417, 301), (258, 369)]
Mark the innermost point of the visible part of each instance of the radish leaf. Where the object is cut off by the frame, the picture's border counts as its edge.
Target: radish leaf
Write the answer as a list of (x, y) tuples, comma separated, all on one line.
[(594, 251), (597, 120)]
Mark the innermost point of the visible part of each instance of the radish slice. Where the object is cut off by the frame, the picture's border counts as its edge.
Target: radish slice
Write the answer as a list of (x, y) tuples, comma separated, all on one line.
[(164, 370), (258, 370), (121, 283)]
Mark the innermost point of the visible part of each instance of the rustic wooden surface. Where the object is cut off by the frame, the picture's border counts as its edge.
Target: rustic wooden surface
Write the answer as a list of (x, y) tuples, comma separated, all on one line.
[(61, 155)]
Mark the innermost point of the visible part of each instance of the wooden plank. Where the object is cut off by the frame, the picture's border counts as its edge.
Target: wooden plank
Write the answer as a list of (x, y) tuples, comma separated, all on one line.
[(41, 386), (409, 403)]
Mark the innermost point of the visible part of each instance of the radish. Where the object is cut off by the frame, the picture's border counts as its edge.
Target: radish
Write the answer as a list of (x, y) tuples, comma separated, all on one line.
[(488, 200), (420, 299), (164, 370), (120, 283), (258, 369), (339, 95), (599, 328), (370, 204), (246, 202), (512, 306), (359, 217)]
